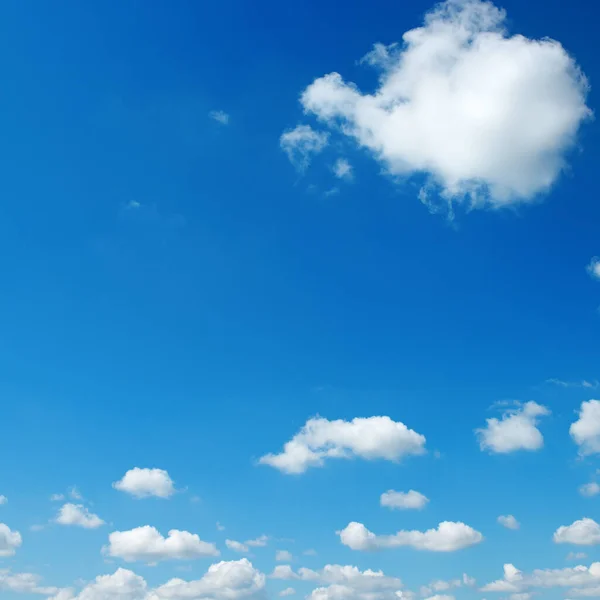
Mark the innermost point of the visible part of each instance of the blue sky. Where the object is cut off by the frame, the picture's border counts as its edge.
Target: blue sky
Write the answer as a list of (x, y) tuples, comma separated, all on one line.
[(212, 247)]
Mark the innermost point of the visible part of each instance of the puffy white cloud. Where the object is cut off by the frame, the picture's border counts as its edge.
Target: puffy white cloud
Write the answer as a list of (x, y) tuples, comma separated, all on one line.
[(342, 169), (403, 500), (509, 522), (231, 580), (344, 582), (589, 489), (143, 483), (147, 544), (486, 116), (586, 430), (448, 537), (23, 583), (301, 144), (237, 546), (368, 438), (78, 515), (9, 540), (290, 591), (593, 267), (283, 556), (517, 430), (219, 116), (585, 532)]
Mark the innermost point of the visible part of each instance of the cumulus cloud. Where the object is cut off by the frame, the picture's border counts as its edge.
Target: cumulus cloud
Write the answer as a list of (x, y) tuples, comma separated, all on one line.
[(585, 532), (509, 522), (589, 489), (259, 542), (484, 115), (368, 438), (403, 500), (9, 540), (24, 583), (448, 537), (147, 544), (232, 580), (78, 515), (517, 430), (283, 556), (441, 585), (344, 582), (586, 430), (301, 144), (237, 546), (143, 483), (342, 169), (219, 116), (3, 500)]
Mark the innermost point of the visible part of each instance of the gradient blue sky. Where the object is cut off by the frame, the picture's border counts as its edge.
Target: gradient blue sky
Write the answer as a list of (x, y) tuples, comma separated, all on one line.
[(176, 295)]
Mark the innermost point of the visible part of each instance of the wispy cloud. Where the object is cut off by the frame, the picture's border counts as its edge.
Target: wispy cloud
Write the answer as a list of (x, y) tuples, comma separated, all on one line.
[(219, 116), (584, 383)]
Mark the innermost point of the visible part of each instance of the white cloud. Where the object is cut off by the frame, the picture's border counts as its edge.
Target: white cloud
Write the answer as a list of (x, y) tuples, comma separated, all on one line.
[(301, 144), (237, 546), (232, 580), (585, 532), (344, 582), (79, 515), (443, 586), (589, 489), (448, 537), (509, 522), (586, 430), (310, 552), (283, 556), (220, 527), (515, 431), (485, 116), (593, 267), (368, 438), (584, 383), (290, 591), (219, 116), (258, 542), (9, 540), (57, 497), (342, 169), (576, 555), (3, 500), (144, 483), (75, 493), (147, 544), (403, 500), (23, 583)]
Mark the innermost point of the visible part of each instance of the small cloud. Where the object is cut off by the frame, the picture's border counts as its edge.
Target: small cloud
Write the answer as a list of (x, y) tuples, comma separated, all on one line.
[(258, 542), (576, 555), (3, 500), (144, 483), (334, 191), (342, 169), (35, 528), (133, 205), (403, 500), (237, 546), (584, 383), (57, 497), (310, 552), (509, 522), (283, 556), (287, 592), (219, 116), (301, 144), (78, 515), (589, 489), (220, 527), (593, 268), (75, 493), (195, 499)]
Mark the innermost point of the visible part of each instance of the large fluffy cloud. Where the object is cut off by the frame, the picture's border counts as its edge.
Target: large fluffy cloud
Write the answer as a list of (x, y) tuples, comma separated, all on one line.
[(147, 544), (485, 115), (143, 483), (517, 430), (78, 515), (367, 438), (585, 532), (447, 537), (344, 581), (586, 430), (9, 540)]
